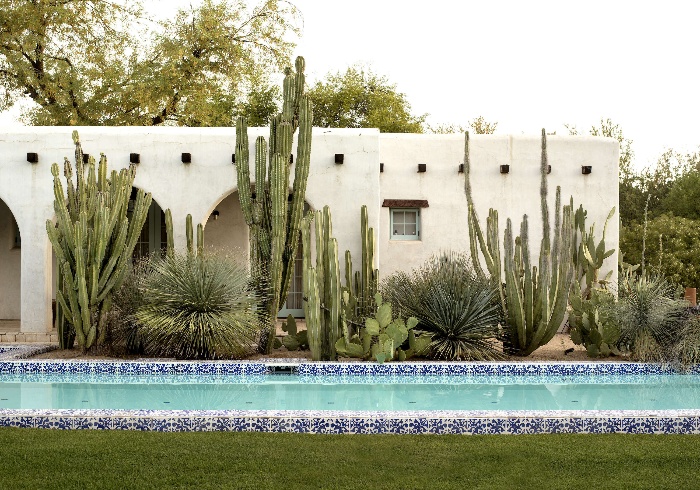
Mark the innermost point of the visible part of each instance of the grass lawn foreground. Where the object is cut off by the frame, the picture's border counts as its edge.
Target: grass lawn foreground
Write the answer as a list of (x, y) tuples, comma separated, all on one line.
[(40, 458)]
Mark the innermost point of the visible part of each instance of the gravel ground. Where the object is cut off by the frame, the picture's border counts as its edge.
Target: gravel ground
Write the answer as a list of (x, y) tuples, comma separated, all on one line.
[(553, 351)]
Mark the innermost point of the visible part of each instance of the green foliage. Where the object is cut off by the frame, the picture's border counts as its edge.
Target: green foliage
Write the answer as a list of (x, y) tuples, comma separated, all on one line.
[(93, 239), (274, 222), (683, 198), (589, 257), (686, 350), (122, 68), (590, 322), (360, 98), (534, 299), (458, 310), (648, 313), (671, 248), (478, 125), (294, 340), (334, 310), (197, 307), (383, 337)]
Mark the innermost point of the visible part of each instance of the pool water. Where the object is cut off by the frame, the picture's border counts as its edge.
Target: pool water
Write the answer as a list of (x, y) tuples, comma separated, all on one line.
[(355, 393)]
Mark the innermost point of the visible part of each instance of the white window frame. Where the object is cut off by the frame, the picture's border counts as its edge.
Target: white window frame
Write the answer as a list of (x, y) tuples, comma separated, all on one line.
[(403, 237)]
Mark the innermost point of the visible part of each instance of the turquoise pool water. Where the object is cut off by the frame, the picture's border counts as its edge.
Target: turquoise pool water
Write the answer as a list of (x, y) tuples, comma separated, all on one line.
[(356, 393)]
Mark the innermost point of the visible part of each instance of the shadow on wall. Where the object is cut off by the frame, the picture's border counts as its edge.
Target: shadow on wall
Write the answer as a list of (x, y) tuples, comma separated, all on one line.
[(10, 265)]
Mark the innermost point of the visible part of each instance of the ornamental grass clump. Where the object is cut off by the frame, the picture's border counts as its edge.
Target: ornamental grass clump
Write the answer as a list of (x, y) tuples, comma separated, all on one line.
[(650, 315), (458, 308), (198, 307)]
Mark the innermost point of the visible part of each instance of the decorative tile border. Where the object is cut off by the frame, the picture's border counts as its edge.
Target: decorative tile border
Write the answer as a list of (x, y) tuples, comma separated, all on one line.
[(146, 367), (22, 351), (447, 422), (343, 422)]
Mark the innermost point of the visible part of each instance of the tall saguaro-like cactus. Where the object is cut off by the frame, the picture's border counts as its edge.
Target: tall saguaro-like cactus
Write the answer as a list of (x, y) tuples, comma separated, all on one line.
[(273, 220), (94, 240), (535, 299)]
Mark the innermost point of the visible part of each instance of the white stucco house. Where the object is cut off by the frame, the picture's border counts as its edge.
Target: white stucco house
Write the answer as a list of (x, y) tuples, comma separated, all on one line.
[(411, 184)]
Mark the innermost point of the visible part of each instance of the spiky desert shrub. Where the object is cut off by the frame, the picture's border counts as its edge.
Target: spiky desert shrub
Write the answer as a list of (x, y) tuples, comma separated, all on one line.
[(124, 335), (686, 350), (649, 314), (198, 307), (461, 311)]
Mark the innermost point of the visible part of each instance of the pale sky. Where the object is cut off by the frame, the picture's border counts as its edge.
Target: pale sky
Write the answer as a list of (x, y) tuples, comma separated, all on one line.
[(525, 64)]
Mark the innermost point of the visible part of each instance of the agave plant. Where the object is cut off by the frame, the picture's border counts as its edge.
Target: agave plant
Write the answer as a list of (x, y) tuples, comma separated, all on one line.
[(686, 350), (198, 307), (459, 309)]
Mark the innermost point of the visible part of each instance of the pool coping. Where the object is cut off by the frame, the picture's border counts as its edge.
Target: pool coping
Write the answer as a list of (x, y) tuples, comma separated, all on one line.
[(347, 422)]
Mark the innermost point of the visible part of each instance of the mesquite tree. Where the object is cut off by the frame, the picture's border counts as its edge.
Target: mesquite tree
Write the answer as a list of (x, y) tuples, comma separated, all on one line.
[(94, 239)]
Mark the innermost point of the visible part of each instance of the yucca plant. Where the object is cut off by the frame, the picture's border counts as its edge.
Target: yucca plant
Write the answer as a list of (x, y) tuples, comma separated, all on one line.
[(649, 314), (460, 309), (686, 350), (198, 307)]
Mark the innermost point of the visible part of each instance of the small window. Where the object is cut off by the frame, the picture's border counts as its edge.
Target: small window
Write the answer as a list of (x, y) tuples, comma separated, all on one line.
[(18, 238), (405, 224)]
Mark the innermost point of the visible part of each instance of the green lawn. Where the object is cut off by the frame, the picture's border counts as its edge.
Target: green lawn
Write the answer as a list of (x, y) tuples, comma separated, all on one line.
[(36, 458)]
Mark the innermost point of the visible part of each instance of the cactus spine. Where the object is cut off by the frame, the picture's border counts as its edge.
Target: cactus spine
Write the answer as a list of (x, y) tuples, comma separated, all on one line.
[(94, 240), (274, 223)]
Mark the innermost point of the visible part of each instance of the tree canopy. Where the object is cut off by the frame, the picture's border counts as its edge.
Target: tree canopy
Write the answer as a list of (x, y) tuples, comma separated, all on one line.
[(95, 62), (359, 98)]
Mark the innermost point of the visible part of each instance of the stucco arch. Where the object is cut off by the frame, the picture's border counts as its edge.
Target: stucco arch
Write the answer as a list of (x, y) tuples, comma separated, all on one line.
[(10, 266)]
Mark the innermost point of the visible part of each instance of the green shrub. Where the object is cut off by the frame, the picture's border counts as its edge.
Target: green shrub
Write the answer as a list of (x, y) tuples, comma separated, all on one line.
[(198, 307), (649, 315), (461, 312), (124, 334), (686, 350)]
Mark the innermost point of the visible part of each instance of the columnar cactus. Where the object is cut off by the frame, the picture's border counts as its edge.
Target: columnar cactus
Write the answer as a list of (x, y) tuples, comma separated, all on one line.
[(333, 312), (191, 250), (535, 299), (274, 222), (361, 285), (489, 246), (94, 240)]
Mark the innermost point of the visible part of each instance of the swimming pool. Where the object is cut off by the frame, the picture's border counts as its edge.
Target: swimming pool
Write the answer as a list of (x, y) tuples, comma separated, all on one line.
[(466, 398)]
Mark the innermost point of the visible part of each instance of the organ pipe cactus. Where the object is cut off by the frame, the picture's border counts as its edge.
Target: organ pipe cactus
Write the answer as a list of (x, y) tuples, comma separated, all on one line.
[(535, 298), (333, 312), (93, 239), (489, 244), (273, 221), (192, 248), (322, 288)]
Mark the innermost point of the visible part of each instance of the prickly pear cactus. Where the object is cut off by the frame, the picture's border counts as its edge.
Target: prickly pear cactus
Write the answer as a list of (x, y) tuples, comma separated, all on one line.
[(383, 337), (591, 325), (94, 239)]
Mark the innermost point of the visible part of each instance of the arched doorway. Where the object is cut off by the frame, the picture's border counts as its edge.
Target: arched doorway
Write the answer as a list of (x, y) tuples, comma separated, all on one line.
[(226, 230), (153, 234), (10, 270)]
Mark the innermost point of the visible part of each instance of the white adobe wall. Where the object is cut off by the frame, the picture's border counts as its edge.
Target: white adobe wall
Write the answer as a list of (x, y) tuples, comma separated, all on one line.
[(196, 188), (444, 222)]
